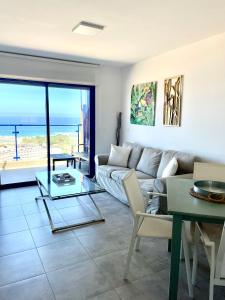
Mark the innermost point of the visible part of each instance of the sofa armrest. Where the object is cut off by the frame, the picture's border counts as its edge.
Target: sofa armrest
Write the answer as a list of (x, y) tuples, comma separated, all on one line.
[(160, 183), (101, 159), (158, 200)]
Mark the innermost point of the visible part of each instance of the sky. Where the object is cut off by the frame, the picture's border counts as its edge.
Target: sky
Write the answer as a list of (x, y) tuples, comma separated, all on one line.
[(25, 102)]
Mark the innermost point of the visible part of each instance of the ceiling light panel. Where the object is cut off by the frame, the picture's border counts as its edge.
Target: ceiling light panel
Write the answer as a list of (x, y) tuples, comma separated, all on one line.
[(87, 28)]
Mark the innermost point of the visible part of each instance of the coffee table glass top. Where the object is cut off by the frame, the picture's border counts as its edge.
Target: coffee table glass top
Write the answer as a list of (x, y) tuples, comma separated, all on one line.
[(82, 185), (181, 202)]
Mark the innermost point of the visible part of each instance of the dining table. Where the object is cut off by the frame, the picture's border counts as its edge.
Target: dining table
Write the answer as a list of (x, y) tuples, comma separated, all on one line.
[(184, 207)]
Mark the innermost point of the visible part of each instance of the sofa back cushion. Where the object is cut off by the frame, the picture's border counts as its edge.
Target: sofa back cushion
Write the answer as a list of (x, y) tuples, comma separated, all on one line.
[(149, 161), (185, 162), (135, 154)]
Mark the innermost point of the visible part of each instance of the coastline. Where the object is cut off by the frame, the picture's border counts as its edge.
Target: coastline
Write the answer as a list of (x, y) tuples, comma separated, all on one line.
[(32, 149)]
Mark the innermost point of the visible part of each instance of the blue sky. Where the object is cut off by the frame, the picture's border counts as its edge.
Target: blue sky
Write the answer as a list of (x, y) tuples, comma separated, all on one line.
[(29, 101)]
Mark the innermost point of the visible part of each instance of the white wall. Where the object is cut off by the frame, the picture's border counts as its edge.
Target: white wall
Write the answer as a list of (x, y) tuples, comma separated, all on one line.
[(202, 131), (106, 79), (108, 93)]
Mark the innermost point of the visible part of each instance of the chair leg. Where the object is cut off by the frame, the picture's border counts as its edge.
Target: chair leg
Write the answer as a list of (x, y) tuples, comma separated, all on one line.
[(212, 274), (169, 246), (130, 252), (137, 248), (211, 289), (187, 262), (195, 255)]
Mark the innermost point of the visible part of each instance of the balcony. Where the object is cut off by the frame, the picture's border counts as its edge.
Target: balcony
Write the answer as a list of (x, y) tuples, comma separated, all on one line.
[(23, 148)]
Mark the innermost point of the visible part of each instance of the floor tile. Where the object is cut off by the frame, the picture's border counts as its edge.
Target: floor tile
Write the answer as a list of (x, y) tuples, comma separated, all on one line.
[(8, 198), (154, 286), (113, 266), (74, 212), (39, 220), (43, 235), (20, 266), (9, 212), (61, 254), (27, 194), (80, 282), (111, 223), (16, 242), (36, 288), (110, 295), (98, 244), (13, 225), (63, 203), (130, 292), (36, 207)]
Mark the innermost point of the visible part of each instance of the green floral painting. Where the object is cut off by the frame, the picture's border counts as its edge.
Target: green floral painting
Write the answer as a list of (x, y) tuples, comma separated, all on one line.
[(143, 100)]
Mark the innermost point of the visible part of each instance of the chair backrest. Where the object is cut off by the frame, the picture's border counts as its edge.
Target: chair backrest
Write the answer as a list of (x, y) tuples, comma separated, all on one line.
[(209, 171), (133, 192), (220, 259)]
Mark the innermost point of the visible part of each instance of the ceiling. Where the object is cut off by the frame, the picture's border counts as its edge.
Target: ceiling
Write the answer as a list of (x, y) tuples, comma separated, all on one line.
[(133, 30)]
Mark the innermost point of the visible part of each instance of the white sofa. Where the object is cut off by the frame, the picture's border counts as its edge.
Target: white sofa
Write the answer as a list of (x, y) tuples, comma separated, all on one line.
[(149, 164)]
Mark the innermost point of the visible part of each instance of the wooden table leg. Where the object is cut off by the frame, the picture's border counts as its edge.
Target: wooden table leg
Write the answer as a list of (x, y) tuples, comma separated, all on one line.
[(175, 257)]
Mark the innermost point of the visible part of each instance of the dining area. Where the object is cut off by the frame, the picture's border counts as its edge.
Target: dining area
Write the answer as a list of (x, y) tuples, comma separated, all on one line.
[(195, 220)]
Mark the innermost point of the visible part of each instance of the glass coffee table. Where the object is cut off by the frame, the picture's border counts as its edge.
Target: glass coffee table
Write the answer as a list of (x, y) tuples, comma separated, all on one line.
[(82, 186)]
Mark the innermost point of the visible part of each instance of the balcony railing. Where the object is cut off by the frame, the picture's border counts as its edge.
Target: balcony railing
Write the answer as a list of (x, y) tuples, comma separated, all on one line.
[(16, 131)]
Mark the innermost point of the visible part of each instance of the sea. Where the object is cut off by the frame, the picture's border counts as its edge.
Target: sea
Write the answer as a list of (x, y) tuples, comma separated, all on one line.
[(37, 126)]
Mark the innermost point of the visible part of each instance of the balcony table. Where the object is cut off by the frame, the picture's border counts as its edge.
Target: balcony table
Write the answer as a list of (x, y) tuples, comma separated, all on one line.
[(185, 207), (63, 157)]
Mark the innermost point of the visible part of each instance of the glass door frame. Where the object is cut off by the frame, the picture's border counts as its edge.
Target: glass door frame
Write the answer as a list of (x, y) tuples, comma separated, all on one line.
[(48, 85)]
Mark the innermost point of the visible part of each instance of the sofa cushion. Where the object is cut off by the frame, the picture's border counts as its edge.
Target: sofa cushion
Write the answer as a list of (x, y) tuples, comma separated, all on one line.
[(146, 186), (119, 156), (149, 161), (141, 175), (118, 175), (135, 154), (106, 170), (158, 204), (185, 162)]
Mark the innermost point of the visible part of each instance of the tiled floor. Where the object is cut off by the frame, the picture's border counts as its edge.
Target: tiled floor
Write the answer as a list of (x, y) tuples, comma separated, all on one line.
[(28, 174), (85, 263)]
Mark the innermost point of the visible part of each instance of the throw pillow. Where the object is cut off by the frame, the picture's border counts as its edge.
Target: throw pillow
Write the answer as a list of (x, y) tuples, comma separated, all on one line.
[(171, 168), (119, 156), (149, 161)]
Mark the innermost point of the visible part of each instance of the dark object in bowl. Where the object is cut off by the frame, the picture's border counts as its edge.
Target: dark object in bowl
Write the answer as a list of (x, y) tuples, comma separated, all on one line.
[(208, 190), (63, 178)]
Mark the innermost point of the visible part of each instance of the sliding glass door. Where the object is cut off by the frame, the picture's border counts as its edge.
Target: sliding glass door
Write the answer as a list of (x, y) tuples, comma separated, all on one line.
[(40, 122), (22, 132), (70, 126)]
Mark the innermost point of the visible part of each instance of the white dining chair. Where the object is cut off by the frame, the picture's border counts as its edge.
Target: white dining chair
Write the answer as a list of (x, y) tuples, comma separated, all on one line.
[(211, 235), (147, 225)]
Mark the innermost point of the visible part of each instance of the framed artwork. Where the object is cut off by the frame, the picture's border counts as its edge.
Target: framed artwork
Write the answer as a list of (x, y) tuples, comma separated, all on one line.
[(143, 101), (173, 90)]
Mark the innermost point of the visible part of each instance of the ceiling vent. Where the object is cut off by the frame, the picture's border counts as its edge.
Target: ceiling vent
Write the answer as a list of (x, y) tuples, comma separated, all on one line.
[(87, 28)]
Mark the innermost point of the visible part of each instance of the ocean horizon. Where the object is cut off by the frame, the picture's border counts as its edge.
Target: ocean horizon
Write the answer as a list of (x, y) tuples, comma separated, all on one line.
[(25, 128), (36, 131)]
